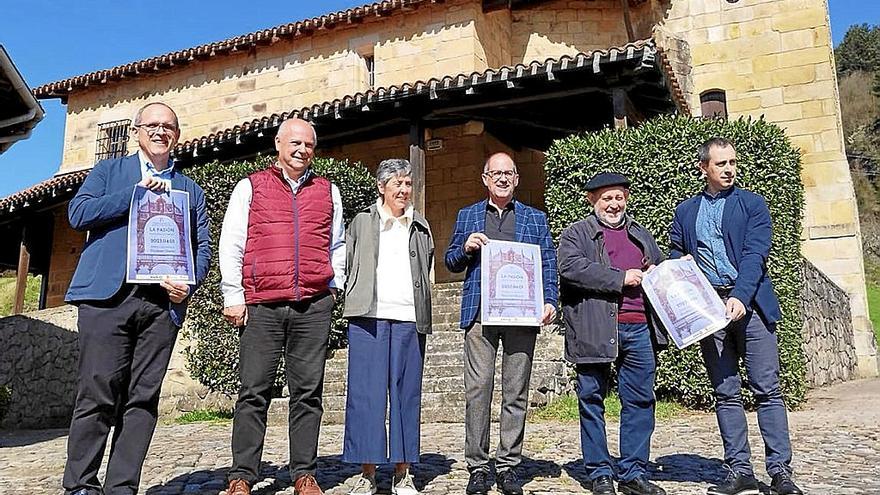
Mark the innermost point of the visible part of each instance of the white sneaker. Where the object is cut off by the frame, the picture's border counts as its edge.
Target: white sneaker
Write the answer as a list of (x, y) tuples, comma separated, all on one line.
[(404, 485), (366, 485)]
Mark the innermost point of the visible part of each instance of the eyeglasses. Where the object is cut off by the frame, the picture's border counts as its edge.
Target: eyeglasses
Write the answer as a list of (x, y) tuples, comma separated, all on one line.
[(497, 174), (154, 128)]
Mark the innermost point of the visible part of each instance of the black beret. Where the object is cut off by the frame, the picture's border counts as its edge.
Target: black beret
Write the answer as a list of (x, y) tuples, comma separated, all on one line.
[(605, 179)]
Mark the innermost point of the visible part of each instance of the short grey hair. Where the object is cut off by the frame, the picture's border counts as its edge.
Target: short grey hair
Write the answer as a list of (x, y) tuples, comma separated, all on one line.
[(718, 142), (391, 168), (140, 113)]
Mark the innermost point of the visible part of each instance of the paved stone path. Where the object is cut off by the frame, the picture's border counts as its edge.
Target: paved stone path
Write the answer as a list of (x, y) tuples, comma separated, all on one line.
[(835, 436)]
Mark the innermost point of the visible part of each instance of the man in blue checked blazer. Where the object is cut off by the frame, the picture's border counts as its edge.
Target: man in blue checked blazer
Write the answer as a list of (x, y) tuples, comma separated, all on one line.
[(126, 331), (500, 217)]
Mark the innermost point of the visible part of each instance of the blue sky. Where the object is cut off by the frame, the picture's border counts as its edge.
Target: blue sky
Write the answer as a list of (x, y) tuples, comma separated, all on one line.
[(50, 40)]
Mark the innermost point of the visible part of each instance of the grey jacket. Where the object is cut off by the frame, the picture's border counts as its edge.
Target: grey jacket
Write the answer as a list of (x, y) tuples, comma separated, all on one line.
[(362, 255), (591, 289)]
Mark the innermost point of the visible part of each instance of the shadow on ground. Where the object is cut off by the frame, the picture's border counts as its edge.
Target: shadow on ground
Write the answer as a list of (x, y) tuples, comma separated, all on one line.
[(332, 472), (680, 468), (21, 438)]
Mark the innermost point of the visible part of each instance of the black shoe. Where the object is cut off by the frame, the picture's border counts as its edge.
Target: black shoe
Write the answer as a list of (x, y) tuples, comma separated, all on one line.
[(478, 483), (639, 486), (736, 484), (603, 485), (508, 482), (782, 485)]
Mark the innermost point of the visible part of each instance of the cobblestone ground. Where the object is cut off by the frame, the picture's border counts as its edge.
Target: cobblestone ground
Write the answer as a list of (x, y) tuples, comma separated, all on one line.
[(835, 437)]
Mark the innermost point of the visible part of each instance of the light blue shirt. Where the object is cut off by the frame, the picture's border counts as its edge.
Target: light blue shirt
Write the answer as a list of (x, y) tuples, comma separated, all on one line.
[(711, 253), (149, 170)]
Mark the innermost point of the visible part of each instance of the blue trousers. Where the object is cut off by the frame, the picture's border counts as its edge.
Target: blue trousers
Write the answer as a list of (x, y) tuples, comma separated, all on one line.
[(385, 361), (636, 368), (751, 340)]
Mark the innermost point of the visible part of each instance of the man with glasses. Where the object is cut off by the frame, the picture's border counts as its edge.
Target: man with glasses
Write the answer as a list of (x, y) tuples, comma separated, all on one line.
[(499, 217), (126, 331), (728, 232), (602, 260)]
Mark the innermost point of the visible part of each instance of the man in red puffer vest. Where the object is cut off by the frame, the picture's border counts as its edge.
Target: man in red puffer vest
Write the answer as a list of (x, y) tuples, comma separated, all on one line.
[(282, 260)]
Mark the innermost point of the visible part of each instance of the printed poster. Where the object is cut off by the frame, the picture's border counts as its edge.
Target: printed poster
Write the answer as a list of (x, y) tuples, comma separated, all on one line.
[(512, 291), (159, 237), (686, 303)]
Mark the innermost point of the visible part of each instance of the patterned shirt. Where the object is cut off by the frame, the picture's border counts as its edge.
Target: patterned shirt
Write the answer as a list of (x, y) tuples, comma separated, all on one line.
[(711, 252)]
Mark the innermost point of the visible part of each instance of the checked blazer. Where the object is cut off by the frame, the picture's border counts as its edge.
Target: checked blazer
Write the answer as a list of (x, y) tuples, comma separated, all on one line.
[(531, 228)]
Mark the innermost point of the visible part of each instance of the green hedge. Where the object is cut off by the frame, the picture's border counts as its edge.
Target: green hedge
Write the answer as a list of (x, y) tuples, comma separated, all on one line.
[(212, 355), (660, 159)]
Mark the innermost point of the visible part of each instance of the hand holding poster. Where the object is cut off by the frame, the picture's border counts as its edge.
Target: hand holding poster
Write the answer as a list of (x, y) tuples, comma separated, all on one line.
[(159, 243), (512, 289), (686, 303)]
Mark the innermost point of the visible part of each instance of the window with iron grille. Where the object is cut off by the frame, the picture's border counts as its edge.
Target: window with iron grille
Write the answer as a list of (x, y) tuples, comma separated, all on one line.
[(112, 139)]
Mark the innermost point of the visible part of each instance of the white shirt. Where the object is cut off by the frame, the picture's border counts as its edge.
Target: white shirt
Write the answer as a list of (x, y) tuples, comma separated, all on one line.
[(394, 284), (233, 238)]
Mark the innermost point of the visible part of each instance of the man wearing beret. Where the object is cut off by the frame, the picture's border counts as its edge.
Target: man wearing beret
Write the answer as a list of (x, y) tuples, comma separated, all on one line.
[(608, 320), (728, 232)]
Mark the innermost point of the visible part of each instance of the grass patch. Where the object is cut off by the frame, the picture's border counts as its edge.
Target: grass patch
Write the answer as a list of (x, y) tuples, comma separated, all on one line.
[(874, 309), (7, 293), (565, 408), (204, 416)]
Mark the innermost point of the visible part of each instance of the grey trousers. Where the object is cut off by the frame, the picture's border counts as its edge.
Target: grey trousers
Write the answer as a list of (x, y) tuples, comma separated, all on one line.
[(480, 348)]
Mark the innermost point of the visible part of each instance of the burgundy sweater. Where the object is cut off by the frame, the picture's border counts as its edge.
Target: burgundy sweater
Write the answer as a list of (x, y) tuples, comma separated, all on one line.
[(624, 255)]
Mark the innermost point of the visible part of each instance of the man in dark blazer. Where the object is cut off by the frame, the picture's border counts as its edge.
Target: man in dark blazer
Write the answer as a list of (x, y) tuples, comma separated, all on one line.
[(126, 331), (727, 231), (499, 217)]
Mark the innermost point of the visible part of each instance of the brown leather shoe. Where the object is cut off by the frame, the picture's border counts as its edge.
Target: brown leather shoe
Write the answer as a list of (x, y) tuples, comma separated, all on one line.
[(306, 485), (238, 487)]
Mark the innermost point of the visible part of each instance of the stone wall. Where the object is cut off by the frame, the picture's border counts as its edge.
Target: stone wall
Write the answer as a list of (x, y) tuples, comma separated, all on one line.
[(38, 362), (774, 60), (828, 331)]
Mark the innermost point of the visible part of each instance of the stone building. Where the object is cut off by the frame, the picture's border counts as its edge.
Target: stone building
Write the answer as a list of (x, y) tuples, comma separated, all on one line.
[(446, 82)]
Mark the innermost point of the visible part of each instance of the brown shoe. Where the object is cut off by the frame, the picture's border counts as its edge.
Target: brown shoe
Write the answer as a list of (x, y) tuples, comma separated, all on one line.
[(306, 485), (238, 487)]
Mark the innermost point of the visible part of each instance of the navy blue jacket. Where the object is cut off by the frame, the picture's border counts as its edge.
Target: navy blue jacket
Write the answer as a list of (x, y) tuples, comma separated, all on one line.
[(531, 228), (747, 237), (101, 208)]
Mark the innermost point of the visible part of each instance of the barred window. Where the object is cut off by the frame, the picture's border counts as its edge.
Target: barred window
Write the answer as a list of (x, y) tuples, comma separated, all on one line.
[(112, 139)]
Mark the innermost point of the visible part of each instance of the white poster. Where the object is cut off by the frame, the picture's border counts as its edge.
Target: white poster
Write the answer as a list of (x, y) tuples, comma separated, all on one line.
[(686, 303)]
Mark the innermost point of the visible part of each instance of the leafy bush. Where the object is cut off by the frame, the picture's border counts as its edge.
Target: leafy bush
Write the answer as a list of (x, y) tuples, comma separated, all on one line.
[(659, 157), (212, 356)]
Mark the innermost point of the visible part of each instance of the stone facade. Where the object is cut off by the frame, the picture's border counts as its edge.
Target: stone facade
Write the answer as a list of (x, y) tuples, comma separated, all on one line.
[(774, 59), (39, 364), (828, 332)]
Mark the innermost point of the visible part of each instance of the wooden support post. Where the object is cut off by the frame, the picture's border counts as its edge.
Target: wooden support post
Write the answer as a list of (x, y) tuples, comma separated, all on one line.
[(417, 160), (619, 102), (24, 261), (627, 20)]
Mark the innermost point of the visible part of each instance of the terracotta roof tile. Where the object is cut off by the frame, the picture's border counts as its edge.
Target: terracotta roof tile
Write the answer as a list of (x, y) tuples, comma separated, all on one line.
[(55, 186), (60, 89)]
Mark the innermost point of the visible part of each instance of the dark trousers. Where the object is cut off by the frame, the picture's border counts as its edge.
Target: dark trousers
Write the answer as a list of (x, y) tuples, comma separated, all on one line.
[(480, 348), (636, 368), (125, 344), (385, 361), (298, 331), (755, 342)]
